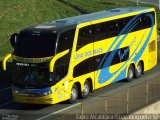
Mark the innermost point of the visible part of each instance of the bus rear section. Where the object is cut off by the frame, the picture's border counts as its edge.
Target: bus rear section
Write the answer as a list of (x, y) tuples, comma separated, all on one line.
[(122, 48)]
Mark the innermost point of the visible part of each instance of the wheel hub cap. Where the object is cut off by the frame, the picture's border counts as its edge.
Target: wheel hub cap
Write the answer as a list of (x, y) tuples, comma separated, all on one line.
[(130, 73), (74, 94), (139, 70), (86, 89)]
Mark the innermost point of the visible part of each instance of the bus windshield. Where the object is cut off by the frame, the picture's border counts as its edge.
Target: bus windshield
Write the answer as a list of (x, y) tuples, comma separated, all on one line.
[(31, 75), (38, 46), (31, 45)]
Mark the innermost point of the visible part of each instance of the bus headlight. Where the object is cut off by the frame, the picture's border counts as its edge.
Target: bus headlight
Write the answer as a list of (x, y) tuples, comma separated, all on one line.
[(49, 92), (16, 91), (33, 93)]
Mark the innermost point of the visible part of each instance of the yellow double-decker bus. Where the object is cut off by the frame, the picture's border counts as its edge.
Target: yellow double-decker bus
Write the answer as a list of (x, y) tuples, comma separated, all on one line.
[(66, 59)]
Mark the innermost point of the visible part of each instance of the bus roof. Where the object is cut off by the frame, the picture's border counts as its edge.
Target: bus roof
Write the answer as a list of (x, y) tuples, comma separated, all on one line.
[(61, 24), (99, 15)]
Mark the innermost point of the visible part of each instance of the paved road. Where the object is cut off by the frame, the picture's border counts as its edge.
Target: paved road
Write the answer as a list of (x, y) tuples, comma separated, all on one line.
[(32, 112)]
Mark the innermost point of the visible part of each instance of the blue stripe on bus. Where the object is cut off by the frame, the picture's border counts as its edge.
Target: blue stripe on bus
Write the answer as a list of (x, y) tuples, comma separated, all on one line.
[(129, 25), (147, 40), (105, 74), (123, 73)]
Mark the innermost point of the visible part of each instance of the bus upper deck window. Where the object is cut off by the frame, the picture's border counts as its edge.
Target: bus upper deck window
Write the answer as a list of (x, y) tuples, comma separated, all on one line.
[(84, 37), (66, 40)]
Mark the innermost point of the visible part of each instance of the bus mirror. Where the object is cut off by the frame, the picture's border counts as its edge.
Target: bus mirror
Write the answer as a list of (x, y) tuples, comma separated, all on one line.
[(5, 61), (13, 39)]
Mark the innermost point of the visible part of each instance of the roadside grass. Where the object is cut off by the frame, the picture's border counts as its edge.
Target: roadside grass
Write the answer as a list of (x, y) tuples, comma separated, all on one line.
[(99, 5), (17, 14)]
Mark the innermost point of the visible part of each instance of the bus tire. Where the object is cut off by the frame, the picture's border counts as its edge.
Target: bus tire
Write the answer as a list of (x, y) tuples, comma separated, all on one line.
[(130, 74), (139, 70), (74, 94), (86, 90)]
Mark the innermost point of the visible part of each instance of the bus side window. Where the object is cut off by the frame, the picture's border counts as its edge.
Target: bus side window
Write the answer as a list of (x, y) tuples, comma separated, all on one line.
[(99, 32), (60, 72), (122, 24), (66, 40), (112, 28), (146, 21), (84, 37), (121, 55), (139, 25)]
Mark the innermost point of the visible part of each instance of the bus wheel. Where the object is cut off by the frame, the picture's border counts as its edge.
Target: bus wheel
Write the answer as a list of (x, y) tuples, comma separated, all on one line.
[(74, 94), (130, 75), (139, 70), (86, 90)]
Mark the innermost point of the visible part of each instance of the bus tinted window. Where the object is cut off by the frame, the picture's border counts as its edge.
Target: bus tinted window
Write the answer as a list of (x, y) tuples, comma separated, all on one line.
[(139, 25), (121, 55), (65, 40), (143, 22), (146, 22), (122, 23), (112, 28), (61, 67), (60, 72), (99, 32), (35, 45), (84, 37), (84, 67), (92, 64)]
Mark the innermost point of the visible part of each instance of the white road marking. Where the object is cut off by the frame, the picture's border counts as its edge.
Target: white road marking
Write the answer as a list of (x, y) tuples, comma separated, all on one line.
[(6, 103), (5, 89), (59, 111)]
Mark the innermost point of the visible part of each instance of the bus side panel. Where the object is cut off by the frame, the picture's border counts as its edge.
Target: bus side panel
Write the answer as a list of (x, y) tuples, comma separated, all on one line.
[(135, 43), (152, 50), (138, 50)]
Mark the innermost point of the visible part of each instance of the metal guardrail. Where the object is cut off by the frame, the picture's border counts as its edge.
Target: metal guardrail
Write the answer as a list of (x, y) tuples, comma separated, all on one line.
[(152, 2), (123, 101)]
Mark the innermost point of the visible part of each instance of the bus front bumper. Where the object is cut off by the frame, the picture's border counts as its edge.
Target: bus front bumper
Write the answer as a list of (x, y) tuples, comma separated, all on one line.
[(49, 99)]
